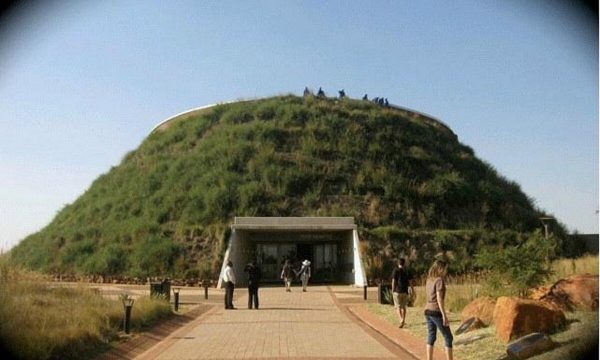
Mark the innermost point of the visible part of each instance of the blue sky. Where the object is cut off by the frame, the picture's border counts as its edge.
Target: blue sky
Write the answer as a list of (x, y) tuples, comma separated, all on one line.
[(82, 83)]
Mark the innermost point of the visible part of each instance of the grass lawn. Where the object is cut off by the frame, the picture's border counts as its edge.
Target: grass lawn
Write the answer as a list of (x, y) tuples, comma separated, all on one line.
[(577, 338)]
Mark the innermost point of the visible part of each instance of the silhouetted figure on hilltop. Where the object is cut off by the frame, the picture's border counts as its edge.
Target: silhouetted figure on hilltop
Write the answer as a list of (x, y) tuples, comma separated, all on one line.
[(320, 93), (386, 103), (380, 101), (307, 92), (375, 100), (365, 98), (342, 94)]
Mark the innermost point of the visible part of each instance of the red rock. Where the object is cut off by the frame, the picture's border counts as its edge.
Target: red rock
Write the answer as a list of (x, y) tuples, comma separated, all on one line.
[(481, 308), (515, 317), (539, 292), (575, 292)]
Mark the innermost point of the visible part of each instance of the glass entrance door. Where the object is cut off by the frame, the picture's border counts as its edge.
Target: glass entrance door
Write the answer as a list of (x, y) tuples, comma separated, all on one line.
[(267, 259), (325, 264), (323, 258), (270, 258)]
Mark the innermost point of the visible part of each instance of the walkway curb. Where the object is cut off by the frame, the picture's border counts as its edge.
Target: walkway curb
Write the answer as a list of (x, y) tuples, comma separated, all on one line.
[(165, 343), (142, 342), (412, 344)]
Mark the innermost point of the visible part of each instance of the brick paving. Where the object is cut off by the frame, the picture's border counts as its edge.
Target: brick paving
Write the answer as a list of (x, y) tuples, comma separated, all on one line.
[(294, 325)]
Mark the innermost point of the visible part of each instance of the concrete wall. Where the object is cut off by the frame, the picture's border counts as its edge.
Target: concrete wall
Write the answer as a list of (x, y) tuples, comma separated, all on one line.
[(237, 251)]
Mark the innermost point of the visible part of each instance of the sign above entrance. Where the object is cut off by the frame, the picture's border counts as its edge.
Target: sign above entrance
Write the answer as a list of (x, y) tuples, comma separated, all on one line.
[(293, 223)]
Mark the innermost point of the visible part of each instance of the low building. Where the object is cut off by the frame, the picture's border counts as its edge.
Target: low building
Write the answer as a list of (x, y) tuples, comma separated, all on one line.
[(331, 244)]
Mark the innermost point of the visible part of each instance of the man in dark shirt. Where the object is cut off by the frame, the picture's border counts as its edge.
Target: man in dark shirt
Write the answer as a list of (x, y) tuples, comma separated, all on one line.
[(401, 282), (254, 275)]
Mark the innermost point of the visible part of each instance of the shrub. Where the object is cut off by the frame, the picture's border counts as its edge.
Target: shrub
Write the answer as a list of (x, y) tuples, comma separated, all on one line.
[(514, 270)]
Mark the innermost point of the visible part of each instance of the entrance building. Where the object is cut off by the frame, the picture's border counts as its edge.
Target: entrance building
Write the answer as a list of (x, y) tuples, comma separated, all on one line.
[(331, 244)]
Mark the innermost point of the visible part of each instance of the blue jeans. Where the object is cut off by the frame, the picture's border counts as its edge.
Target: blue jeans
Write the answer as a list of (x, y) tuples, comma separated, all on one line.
[(434, 323)]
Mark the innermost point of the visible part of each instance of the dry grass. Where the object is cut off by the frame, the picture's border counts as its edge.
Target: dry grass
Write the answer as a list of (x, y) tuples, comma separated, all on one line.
[(457, 296), (486, 348), (563, 268), (574, 341), (42, 321)]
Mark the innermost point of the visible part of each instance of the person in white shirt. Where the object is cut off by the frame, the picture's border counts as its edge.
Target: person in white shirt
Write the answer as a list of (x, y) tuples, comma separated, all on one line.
[(229, 280), (304, 273)]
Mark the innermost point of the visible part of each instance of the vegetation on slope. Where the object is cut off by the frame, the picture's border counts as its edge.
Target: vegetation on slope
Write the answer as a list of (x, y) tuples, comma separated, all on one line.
[(165, 208)]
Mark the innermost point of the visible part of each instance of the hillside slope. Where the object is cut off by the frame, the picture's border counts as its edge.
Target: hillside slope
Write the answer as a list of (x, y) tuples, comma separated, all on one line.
[(166, 207)]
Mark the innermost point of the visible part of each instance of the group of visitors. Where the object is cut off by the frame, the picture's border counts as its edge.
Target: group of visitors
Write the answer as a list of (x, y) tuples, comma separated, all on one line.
[(435, 292), (254, 275), (342, 95), (307, 92), (288, 272), (402, 287), (377, 100)]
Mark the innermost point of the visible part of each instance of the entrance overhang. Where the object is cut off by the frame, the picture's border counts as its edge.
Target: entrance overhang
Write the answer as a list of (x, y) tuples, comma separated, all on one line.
[(293, 223)]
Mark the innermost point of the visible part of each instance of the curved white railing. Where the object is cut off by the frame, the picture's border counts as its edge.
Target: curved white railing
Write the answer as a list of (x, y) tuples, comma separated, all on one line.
[(200, 108), (397, 107)]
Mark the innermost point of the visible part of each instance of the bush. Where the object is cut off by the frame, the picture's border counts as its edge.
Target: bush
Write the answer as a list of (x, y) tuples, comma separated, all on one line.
[(515, 270)]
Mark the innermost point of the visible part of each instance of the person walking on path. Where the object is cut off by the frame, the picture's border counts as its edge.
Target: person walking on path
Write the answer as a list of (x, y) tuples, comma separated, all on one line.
[(286, 275), (304, 274), (254, 275), (401, 286), (435, 313), (229, 280)]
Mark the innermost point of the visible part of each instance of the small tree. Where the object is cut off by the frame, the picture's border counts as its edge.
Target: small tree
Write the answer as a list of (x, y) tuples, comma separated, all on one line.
[(515, 270)]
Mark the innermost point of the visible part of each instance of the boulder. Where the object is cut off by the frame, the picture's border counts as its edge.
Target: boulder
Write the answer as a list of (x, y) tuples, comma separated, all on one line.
[(469, 325), (469, 340), (575, 292), (515, 317), (529, 345), (539, 293), (481, 308)]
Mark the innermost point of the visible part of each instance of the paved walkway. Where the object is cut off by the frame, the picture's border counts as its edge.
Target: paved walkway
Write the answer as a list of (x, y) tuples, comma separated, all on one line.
[(297, 325)]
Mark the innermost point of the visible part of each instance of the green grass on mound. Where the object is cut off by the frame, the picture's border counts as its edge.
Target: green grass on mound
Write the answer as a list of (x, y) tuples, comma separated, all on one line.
[(411, 186)]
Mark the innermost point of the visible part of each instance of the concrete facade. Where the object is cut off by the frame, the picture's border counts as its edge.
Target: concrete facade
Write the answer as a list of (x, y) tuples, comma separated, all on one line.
[(330, 243)]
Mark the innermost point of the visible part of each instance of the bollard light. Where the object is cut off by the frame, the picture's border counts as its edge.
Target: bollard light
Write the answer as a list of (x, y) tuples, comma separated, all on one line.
[(127, 305), (205, 284), (365, 292), (176, 293)]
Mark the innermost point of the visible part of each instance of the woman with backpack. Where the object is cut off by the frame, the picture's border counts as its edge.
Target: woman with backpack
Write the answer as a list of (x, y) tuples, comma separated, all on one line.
[(286, 275)]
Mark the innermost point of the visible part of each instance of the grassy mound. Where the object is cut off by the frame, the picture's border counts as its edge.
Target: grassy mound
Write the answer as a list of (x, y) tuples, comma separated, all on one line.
[(165, 209)]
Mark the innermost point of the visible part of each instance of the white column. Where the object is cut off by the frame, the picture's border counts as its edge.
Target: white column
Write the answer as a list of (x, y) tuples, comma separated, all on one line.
[(360, 279), (226, 257)]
